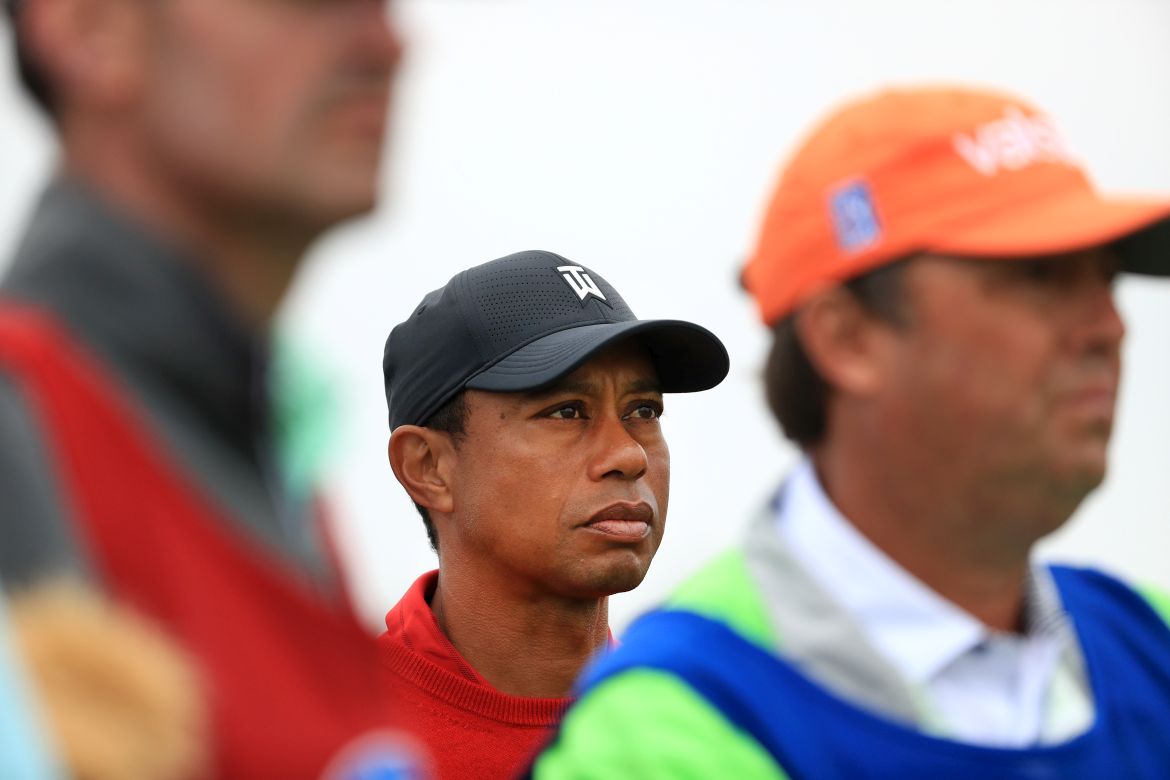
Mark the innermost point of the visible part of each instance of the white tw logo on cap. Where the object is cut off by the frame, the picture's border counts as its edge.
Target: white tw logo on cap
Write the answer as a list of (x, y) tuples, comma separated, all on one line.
[(578, 278)]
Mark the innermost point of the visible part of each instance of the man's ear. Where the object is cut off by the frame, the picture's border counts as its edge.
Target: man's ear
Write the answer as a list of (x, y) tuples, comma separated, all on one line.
[(844, 341), (93, 51), (422, 460)]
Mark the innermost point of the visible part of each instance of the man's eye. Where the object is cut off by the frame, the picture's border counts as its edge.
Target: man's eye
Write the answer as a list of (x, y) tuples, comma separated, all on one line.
[(647, 411), (567, 412), (1043, 271)]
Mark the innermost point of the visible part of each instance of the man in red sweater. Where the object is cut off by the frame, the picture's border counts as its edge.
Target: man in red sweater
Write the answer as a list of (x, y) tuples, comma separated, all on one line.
[(524, 401)]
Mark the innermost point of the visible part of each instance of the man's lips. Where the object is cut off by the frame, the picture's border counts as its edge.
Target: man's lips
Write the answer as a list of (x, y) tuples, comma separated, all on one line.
[(1098, 400), (623, 520), (360, 114)]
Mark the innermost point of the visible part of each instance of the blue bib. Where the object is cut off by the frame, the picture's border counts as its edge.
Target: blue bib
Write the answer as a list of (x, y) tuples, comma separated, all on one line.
[(812, 733)]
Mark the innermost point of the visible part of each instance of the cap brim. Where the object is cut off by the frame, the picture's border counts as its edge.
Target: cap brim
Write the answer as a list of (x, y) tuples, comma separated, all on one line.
[(1140, 229), (687, 357)]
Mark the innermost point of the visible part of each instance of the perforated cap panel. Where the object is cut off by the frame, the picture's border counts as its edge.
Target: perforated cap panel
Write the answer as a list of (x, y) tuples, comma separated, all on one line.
[(524, 296)]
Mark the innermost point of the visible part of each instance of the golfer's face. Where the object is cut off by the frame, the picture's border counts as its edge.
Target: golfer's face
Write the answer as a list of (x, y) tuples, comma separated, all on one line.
[(565, 490)]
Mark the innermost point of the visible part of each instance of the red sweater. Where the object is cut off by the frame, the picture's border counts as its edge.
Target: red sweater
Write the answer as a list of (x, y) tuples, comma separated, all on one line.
[(470, 729)]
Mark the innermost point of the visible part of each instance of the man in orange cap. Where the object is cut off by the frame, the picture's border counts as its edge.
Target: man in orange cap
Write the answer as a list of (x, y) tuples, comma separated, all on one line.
[(938, 274)]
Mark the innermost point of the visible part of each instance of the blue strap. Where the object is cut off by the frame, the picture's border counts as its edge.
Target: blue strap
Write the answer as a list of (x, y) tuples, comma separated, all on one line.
[(685, 644)]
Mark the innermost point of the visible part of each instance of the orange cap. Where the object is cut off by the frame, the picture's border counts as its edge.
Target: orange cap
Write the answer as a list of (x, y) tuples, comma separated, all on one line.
[(954, 171)]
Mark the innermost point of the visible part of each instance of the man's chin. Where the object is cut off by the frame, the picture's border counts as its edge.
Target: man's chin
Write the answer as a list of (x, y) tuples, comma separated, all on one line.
[(336, 188), (330, 206), (1080, 476), (618, 577)]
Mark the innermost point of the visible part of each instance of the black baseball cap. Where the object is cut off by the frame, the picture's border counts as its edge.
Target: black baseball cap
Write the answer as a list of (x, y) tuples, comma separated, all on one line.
[(521, 323)]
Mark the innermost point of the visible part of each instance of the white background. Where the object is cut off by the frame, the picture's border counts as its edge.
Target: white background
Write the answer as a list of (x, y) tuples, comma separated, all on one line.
[(641, 137)]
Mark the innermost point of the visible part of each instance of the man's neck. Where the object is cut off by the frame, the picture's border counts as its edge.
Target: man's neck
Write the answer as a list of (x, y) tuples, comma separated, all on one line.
[(250, 259), (963, 544), (532, 645)]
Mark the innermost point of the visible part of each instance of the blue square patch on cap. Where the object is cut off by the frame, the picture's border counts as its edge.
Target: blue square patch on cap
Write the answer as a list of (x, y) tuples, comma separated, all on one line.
[(854, 217)]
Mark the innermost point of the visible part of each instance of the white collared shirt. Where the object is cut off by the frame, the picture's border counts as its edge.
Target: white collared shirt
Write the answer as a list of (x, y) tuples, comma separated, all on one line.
[(971, 683)]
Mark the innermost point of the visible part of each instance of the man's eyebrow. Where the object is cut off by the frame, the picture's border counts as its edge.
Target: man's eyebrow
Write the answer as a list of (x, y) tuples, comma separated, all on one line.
[(580, 387), (644, 386), (576, 387)]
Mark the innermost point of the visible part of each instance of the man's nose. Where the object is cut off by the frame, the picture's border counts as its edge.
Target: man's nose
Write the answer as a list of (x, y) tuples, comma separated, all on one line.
[(374, 34), (1099, 323), (618, 454)]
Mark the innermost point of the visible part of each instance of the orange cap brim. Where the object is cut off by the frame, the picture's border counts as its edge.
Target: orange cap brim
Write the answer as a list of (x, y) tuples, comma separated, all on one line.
[(1065, 223)]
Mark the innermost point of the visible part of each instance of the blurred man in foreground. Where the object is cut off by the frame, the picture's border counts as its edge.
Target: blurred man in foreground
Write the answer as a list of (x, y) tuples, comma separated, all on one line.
[(204, 145), (938, 273), (524, 402)]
